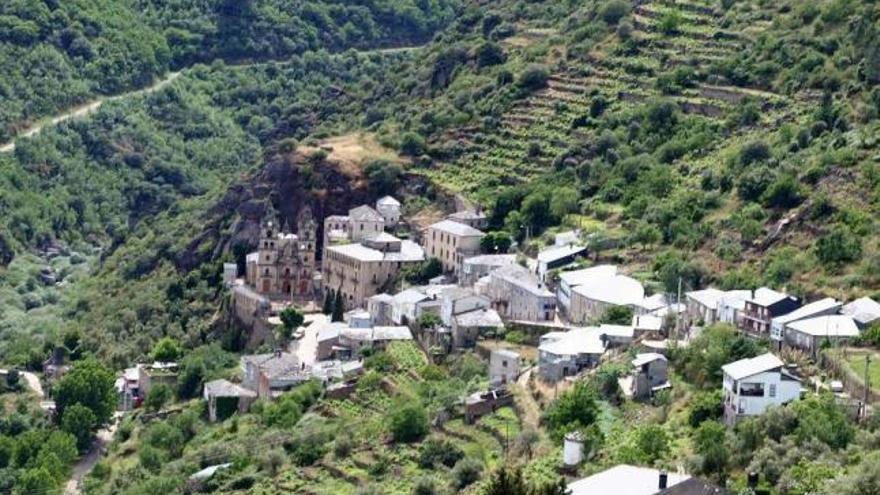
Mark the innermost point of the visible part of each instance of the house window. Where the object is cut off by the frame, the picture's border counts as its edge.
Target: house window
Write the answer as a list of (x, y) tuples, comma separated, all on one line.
[(772, 390), (504, 364), (751, 390)]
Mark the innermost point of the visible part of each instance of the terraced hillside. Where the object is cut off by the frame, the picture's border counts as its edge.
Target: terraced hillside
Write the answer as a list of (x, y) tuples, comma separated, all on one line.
[(689, 36)]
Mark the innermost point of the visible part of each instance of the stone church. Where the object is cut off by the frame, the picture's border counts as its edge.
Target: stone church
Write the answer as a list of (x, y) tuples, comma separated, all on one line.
[(283, 266)]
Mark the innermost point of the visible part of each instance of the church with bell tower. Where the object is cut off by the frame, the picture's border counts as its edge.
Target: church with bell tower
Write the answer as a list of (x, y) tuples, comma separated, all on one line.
[(283, 266)]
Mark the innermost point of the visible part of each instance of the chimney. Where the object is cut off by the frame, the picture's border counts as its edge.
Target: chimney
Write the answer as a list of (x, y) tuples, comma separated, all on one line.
[(664, 480)]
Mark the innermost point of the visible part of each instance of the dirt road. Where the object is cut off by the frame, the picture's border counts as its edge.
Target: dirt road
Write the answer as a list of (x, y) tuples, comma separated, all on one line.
[(85, 465)]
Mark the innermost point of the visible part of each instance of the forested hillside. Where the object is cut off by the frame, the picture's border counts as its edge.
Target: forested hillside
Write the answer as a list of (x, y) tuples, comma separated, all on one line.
[(57, 54)]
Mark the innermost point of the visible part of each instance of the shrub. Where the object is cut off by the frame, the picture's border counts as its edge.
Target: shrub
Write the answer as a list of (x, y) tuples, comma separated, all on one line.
[(408, 422), (784, 192), (705, 406), (434, 452), (533, 78), (166, 350), (839, 246), (466, 472), (612, 12), (489, 53), (412, 144)]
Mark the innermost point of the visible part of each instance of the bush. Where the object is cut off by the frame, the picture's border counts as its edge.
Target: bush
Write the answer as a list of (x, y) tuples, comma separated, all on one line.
[(576, 409), (839, 246), (533, 78), (705, 406), (412, 144), (489, 53), (408, 422), (167, 350), (434, 452), (466, 472), (613, 11)]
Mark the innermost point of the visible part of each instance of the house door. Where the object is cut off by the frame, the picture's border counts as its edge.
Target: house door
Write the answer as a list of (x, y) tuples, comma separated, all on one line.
[(266, 286)]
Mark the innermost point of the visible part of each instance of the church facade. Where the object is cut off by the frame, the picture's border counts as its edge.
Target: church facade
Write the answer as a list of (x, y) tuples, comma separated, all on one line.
[(283, 266)]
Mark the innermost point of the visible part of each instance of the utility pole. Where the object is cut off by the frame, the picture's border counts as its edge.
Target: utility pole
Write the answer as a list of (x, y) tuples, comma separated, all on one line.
[(678, 311), (867, 386)]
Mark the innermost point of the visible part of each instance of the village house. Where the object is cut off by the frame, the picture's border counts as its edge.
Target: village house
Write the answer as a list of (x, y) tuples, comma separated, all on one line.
[(571, 279), (731, 306), (451, 242), (134, 385), (778, 325), (616, 335), (702, 306), (458, 300), (518, 295), (647, 326), (651, 304), (555, 257), (283, 266), (864, 311), (269, 375), (504, 366), (591, 300), (328, 340), (624, 479), (476, 267), (361, 223), (473, 218), (389, 208), (225, 398), (650, 375), (355, 339), (358, 318), (809, 334), (361, 270), (563, 354), (468, 327), (765, 305), (752, 385), (380, 308)]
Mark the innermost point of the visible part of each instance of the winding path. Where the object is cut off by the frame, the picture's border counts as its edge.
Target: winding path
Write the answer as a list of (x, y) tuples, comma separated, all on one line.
[(92, 106), (86, 109)]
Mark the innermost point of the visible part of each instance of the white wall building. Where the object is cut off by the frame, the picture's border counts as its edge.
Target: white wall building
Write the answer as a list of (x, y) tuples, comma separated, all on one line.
[(590, 301), (571, 279), (503, 367), (451, 242), (809, 334), (752, 385), (518, 295), (389, 208), (827, 306)]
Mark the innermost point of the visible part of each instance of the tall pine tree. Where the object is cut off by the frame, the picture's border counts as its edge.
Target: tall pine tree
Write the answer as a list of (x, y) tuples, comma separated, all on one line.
[(328, 302), (338, 307)]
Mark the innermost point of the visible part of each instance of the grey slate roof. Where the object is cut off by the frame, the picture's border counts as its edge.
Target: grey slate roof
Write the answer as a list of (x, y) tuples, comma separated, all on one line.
[(225, 388), (365, 213), (745, 368), (455, 228)]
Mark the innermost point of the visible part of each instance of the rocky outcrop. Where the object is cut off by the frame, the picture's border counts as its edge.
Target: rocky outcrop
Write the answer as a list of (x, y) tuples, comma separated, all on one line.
[(289, 182)]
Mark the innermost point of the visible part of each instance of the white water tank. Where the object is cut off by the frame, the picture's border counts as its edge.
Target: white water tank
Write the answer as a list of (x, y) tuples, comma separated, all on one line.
[(573, 449)]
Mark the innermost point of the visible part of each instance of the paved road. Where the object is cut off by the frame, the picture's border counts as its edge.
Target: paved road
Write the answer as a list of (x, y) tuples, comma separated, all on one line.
[(85, 465), (306, 348)]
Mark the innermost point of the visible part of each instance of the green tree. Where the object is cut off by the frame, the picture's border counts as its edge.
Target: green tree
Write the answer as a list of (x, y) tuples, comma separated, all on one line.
[(839, 246), (160, 395), (79, 421), (35, 481), (710, 446), (652, 441), (646, 234), (864, 479), (705, 406), (617, 315), (412, 144), (496, 242), (166, 350), (576, 409), (291, 319), (91, 384), (408, 422), (383, 176), (533, 78), (489, 53), (430, 320), (327, 308), (338, 307)]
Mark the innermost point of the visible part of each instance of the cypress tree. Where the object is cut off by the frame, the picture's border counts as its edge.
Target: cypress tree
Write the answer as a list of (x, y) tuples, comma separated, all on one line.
[(338, 307), (328, 302)]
